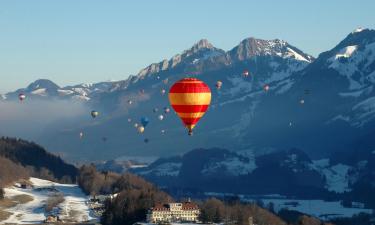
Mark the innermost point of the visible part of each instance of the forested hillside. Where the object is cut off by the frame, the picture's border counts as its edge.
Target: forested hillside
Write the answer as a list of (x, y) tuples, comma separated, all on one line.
[(36, 160)]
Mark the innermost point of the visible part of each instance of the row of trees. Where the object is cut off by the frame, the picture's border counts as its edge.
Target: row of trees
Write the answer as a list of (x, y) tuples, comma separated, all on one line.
[(234, 212), (216, 211)]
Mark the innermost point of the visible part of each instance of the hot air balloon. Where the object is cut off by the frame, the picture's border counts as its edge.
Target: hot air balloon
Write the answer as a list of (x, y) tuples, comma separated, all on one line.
[(166, 110), (266, 87), (129, 120), (162, 132), (165, 81), (130, 102), (218, 84), (190, 99), (144, 121), (160, 117), (94, 114), (302, 101), (245, 73), (21, 97), (80, 135), (136, 125), (158, 77), (162, 91), (141, 129)]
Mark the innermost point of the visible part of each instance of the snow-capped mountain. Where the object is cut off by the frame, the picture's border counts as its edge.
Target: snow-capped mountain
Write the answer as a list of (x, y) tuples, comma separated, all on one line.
[(307, 101), (290, 173), (192, 58), (46, 89)]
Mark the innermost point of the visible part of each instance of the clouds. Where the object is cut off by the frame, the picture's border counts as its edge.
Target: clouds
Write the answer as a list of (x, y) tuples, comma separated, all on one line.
[(30, 118)]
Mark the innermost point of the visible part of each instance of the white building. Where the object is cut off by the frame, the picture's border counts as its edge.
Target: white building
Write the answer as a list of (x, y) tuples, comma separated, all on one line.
[(173, 212)]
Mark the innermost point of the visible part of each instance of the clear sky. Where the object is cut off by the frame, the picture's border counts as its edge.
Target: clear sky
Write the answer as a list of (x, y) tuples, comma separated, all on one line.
[(79, 41)]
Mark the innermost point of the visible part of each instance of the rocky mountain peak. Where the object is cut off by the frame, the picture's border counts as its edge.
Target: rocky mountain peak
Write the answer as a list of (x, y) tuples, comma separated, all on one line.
[(43, 83), (252, 47), (201, 44)]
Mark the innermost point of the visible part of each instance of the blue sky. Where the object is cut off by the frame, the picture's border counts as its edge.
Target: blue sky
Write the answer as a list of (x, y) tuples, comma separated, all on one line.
[(76, 41)]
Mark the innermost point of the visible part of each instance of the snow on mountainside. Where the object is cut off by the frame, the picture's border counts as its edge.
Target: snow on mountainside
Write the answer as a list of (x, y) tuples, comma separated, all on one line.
[(46, 89), (165, 169), (73, 209), (251, 47), (202, 50), (354, 58), (338, 177), (310, 94)]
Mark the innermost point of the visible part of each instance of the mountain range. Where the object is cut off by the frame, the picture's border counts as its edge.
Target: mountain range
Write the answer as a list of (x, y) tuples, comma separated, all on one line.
[(320, 105)]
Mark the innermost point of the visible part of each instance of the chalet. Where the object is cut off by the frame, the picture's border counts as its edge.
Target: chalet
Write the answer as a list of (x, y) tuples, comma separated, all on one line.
[(173, 212)]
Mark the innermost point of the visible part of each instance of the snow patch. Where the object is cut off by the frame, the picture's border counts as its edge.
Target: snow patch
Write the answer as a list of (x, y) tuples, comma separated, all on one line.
[(40, 91), (297, 56), (233, 166), (33, 212), (359, 29), (165, 169), (337, 177)]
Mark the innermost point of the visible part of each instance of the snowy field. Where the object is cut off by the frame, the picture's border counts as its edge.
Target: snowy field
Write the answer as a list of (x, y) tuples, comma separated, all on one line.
[(318, 208), (73, 209)]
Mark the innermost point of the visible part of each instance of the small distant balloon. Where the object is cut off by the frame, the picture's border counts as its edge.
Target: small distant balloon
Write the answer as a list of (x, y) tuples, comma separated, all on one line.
[(165, 81), (136, 125), (162, 91), (162, 132), (144, 121), (290, 124), (245, 73), (266, 87), (158, 77), (302, 101), (129, 120), (80, 135), (130, 102), (218, 84), (160, 117), (94, 114), (21, 97), (166, 110), (141, 129)]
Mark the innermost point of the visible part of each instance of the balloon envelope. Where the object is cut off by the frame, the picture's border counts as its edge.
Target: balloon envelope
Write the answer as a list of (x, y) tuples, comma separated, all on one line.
[(21, 97), (94, 114), (190, 99), (141, 129), (144, 121), (219, 84)]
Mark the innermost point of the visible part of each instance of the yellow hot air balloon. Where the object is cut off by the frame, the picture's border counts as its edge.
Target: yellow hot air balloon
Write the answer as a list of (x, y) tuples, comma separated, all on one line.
[(190, 99), (141, 129)]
